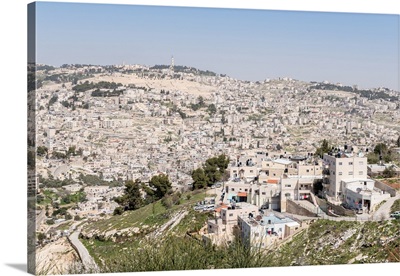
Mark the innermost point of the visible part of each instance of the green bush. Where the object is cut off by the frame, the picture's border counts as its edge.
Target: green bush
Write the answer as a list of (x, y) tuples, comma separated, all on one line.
[(118, 211), (167, 202)]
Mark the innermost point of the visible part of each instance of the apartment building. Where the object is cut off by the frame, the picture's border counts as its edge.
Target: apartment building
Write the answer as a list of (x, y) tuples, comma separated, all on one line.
[(221, 228), (343, 166)]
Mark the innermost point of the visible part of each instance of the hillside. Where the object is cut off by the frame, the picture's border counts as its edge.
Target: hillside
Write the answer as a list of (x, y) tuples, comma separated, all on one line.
[(324, 242), (327, 242)]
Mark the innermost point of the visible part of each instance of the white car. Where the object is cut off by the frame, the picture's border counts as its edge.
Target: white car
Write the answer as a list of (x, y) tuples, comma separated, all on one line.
[(198, 208)]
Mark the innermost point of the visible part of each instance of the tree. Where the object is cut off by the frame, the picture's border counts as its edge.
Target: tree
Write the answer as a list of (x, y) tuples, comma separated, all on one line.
[(200, 179), (41, 236), (42, 150), (118, 211), (132, 198), (389, 172), (71, 150), (212, 109), (324, 148), (381, 149), (398, 141), (53, 100), (214, 168), (161, 185)]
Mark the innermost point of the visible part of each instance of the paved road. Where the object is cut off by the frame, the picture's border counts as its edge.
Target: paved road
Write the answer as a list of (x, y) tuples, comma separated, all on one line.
[(384, 210), (87, 260), (40, 217)]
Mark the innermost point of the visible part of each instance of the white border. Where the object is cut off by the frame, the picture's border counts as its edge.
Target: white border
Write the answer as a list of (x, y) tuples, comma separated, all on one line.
[(13, 124)]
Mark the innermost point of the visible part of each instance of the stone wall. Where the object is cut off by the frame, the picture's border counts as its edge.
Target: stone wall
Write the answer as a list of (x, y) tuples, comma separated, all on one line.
[(293, 208), (385, 188)]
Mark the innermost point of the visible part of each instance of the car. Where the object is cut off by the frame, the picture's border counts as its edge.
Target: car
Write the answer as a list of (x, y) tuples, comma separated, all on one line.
[(198, 208), (395, 214)]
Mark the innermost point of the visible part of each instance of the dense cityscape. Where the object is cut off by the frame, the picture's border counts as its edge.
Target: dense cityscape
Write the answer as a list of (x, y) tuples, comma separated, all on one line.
[(258, 162)]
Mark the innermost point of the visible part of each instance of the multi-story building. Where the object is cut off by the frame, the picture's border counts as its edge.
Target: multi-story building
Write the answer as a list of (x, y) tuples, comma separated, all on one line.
[(221, 228), (343, 166)]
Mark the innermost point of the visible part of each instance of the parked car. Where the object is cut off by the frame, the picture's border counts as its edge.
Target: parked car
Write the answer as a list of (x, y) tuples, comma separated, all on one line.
[(395, 214)]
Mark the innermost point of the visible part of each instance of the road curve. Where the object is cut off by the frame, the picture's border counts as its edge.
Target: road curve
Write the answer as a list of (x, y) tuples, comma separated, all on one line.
[(384, 211), (87, 260)]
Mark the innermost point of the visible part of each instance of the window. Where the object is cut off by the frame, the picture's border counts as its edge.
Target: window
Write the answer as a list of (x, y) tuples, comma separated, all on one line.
[(308, 170), (340, 173), (350, 173), (350, 163), (232, 189), (231, 215), (245, 190), (251, 171), (263, 193), (360, 172), (287, 185), (223, 230), (340, 163)]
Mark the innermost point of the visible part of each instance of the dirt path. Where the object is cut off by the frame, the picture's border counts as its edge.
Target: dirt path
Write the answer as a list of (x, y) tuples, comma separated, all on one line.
[(174, 221)]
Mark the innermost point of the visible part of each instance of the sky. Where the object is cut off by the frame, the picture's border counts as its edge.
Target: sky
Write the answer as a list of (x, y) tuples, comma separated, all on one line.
[(350, 48), (14, 113)]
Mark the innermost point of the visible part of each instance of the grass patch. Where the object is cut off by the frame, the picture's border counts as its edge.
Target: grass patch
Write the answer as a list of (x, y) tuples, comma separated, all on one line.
[(396, 206), (64, 226), (151, 215)]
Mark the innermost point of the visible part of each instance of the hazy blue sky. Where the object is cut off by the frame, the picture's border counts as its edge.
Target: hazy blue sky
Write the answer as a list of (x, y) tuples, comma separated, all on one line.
[(358, 49)]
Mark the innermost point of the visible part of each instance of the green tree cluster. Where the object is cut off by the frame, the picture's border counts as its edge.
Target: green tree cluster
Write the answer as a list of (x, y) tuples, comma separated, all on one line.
[(381, 153), (132, 198), (160, 185), (200, 104), (213, 170)]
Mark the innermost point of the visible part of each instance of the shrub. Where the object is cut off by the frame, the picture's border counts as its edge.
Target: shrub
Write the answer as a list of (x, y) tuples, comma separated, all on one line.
[(118, 211), (167, 202)]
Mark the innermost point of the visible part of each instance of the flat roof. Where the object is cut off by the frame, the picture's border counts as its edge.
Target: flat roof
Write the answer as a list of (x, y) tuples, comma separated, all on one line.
[(282, 161)]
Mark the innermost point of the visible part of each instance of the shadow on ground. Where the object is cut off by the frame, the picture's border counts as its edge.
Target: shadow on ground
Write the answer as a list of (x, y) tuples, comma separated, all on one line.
[(20, 267)]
